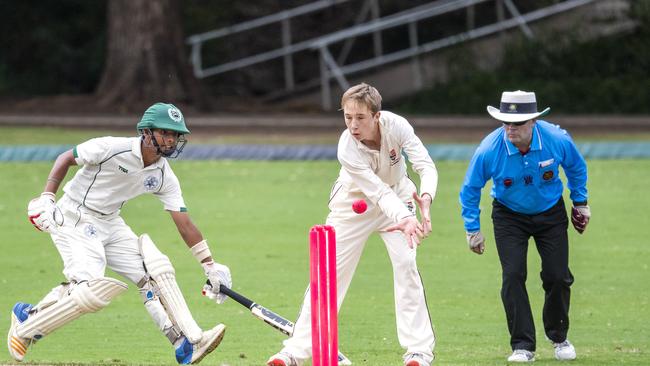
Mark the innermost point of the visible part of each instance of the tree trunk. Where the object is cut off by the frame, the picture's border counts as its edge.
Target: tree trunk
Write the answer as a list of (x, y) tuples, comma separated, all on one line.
[(146, 60)]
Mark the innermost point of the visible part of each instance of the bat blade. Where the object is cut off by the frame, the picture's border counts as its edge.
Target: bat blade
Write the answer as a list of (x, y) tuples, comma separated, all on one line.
[(273, 319), (269, 317)]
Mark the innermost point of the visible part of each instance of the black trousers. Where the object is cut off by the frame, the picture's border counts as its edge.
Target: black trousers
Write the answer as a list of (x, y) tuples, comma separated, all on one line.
[(511, 233)]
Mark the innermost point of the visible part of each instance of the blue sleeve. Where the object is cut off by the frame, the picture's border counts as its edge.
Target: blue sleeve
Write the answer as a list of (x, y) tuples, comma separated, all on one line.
[(470, 193), (575, 169)]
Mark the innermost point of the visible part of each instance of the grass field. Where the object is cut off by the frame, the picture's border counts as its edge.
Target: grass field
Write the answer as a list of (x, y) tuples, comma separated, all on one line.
[(256, 216)]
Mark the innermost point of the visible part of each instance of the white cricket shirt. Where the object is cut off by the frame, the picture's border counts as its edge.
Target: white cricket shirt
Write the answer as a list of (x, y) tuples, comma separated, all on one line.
[(113, 172), (375, 172)]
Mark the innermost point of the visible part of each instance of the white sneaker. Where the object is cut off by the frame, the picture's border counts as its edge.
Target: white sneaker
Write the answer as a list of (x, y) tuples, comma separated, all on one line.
[(282, 359), (343, 360), (564, 351), (18, 345), (187, 353), (521, 355), (415, 359)]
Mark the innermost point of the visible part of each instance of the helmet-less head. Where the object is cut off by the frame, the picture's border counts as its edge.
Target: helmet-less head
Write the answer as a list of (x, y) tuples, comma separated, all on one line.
[(163, 126)]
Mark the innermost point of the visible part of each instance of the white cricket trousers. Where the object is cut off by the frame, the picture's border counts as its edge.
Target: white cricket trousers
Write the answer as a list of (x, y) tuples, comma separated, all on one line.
[(414, 328), (88, 242)]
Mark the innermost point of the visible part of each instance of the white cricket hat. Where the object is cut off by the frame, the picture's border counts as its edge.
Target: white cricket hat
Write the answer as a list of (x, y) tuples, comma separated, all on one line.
[(517, 106)]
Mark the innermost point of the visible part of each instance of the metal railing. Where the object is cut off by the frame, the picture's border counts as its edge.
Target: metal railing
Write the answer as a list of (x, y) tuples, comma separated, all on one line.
[(335, 68), (369, 8)]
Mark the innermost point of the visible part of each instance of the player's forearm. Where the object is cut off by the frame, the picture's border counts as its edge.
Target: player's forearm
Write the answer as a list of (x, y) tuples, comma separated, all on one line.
[(59, 170), (191, 237), (190, 234)]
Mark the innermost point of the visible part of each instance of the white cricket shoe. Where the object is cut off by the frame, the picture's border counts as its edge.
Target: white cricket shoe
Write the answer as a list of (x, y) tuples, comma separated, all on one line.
[(282, 359), (415, 359), (18, 345), (344, 361), (188, 353), (521, 355), (564, 351)]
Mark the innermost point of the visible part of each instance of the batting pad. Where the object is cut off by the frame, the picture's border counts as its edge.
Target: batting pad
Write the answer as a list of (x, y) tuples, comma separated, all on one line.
[(161, 270), (84, 297)]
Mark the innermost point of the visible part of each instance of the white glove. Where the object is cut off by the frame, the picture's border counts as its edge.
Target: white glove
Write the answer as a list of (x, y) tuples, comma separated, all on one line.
[(217, 274), (476, 242), (41, 212)]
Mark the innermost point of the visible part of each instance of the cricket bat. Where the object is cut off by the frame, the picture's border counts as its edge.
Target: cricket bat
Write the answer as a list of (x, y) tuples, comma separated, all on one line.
[(269, 317)]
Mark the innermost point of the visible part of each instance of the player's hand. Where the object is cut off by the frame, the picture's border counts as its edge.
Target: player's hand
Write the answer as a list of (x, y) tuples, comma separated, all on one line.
[(41, 211), (424, 204), (217, 274), (411, 228), (580, 216), (476, 241)]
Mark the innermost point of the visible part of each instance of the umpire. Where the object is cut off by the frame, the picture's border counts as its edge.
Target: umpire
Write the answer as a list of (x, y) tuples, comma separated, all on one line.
[(522, 157)]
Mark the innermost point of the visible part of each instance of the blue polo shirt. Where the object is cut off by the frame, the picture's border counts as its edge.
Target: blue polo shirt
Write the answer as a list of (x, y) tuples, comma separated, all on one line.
[(528, 184)]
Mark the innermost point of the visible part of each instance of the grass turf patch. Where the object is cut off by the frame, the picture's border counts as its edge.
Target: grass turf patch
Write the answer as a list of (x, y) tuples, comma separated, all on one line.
[(256, 216)]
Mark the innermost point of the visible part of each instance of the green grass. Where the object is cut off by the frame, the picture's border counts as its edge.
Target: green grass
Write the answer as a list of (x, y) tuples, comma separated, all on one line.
[(256, 216)]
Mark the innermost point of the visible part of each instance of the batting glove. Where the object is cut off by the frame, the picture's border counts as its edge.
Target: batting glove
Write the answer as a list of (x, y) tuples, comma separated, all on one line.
[(41, 210), (580, 216), (476, 241), (217, 274)]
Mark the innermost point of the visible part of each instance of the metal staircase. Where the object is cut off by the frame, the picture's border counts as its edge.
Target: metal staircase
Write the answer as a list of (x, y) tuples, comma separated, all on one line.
[(368, 22)]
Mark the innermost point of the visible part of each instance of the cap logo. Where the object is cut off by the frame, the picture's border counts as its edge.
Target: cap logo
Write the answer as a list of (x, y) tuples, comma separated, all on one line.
[(174, 114), (512, 108)]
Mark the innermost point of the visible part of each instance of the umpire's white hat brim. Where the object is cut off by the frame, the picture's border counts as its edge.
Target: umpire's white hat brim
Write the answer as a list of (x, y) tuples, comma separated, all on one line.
[(515, 117)]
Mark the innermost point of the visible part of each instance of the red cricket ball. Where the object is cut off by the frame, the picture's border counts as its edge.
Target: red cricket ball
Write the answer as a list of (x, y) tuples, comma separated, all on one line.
[(359, 206)]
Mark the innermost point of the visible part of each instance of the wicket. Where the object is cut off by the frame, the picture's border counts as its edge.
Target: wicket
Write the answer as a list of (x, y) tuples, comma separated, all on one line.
[(324, 323)]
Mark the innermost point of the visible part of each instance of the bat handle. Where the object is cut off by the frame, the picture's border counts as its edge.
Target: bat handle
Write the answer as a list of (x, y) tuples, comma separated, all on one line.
[(222, 288), (230, 293)]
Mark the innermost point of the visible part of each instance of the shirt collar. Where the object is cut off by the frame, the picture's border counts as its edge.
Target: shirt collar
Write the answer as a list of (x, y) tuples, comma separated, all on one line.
[(136, 148), (535, 144)]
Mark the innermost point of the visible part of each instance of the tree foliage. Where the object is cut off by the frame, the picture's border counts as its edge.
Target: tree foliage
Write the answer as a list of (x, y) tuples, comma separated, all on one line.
[(51, 47)]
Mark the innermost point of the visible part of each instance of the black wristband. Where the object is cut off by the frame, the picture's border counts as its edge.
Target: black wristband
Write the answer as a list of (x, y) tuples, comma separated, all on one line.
[(580, 203)]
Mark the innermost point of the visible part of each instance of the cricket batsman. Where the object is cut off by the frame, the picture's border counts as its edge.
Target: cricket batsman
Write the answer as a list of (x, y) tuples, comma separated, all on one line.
[(89, 234)]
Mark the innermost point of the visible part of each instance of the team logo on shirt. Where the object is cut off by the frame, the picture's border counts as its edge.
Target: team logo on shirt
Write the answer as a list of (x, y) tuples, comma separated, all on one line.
[(548, 175), (90, 231), (151, 183), (528, 180), (507, 182), (175, 114), (394, 158)]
